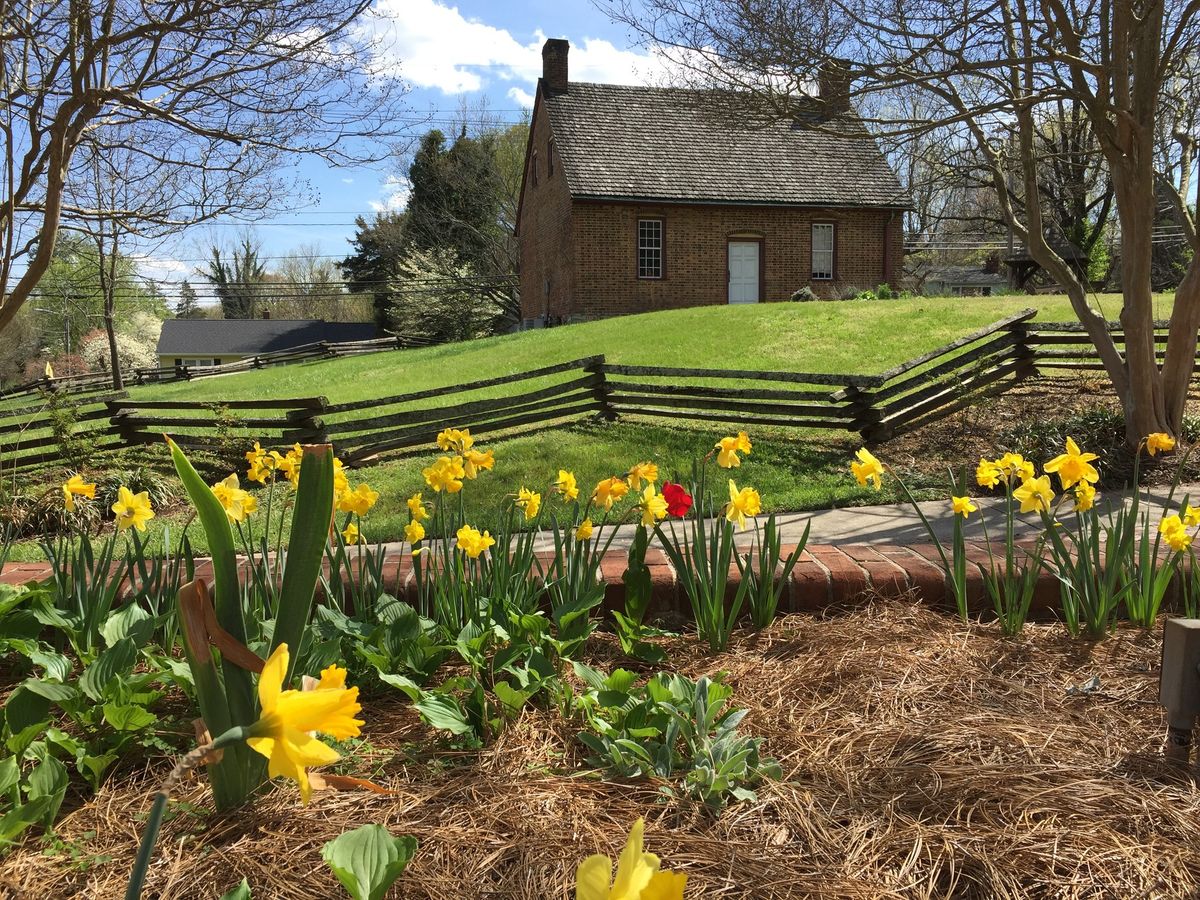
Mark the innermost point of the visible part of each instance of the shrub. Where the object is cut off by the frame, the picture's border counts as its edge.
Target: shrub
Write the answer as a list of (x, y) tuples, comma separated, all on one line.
[(805, 295)]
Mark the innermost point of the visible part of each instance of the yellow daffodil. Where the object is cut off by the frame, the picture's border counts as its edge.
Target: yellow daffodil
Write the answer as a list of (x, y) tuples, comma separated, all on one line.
[(414, 532), (1085, 496), (1159, 442), (530, 502), (728, 449), (358, 501), (963, 506), (472, 542), (1073, 467), (742, 504), (352, 535), (1035, 494), (289, 465), (455, 439), (609, 491), (584, 531), (475, 461), (643, 471), (341, 484), (1015, 466), (565, 485), (987, 473), (867, 468), (654, 506), (639, 876), (74, 487), (416, 508), (446, 474), (132, 510), (259, 464), (1176, 534), (238, 504), (290, 718), (1190, 515)]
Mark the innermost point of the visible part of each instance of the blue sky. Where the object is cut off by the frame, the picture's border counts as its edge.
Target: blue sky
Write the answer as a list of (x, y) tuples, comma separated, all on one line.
[(449, 53)]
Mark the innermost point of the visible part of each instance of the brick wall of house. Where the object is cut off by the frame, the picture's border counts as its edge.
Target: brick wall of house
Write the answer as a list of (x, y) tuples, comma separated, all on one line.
[(544, 229), (695, 238)]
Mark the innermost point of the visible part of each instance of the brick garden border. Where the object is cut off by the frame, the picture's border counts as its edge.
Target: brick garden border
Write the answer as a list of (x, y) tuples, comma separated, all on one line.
[(826, 576)]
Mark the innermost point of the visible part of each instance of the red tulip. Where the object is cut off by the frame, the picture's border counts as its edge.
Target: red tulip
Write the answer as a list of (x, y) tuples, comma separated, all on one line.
[(678, 500)]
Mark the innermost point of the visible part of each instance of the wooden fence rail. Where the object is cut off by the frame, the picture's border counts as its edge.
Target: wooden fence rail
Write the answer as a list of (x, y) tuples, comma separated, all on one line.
[(984, 363)]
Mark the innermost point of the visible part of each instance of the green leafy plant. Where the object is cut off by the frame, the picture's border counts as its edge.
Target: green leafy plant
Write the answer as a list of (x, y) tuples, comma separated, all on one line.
[(228, 699), (765, 570), (673, 727), (703, 560), (368, 860), (638, 586)]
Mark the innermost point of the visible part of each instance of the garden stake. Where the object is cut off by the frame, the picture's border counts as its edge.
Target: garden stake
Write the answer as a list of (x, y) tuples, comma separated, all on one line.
[(1179, 684)]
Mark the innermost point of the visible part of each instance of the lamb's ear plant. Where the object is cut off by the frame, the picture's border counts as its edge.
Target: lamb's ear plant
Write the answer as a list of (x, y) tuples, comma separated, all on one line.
[(226, 696)]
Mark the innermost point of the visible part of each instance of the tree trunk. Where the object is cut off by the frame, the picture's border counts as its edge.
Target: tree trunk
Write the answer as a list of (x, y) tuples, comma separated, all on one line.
[(1144, 401)]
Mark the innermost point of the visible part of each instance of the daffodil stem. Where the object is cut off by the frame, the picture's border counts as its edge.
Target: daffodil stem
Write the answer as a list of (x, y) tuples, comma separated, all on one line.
[(187, 762)]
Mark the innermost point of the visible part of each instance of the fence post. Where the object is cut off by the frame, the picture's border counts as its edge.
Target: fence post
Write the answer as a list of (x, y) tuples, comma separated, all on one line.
[(602, 391), (116, 419), (865, 416), (307, 422), (1023, 350)]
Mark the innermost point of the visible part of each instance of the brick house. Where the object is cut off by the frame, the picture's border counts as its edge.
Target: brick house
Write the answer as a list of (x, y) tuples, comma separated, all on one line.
[(638, 198)]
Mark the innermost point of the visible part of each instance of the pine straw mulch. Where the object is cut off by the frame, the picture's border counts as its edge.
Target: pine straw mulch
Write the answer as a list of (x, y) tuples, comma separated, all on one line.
[(922, 758)]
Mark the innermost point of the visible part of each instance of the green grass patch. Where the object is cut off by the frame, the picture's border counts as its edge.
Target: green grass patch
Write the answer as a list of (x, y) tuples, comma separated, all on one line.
[(851, 337), (793, 470)]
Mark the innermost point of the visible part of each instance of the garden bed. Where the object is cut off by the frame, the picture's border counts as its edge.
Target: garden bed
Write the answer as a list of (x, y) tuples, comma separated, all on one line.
[(921, 757)]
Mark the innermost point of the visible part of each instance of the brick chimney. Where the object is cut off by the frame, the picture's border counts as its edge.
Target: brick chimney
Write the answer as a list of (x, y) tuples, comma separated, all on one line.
[(554, 65), (833, 85)]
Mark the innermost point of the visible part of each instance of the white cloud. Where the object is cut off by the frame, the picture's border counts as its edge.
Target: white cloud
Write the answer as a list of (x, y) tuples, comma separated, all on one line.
[(520, 97), (433, 45), (395, 190), (163, 268), (347, 181)]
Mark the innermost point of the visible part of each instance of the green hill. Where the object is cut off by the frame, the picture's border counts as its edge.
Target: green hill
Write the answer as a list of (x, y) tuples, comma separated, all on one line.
[(858, 337)]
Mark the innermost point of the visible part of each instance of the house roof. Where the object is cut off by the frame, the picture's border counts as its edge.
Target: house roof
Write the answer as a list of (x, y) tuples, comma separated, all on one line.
[(965, 275), (250, 336), (674, 144)]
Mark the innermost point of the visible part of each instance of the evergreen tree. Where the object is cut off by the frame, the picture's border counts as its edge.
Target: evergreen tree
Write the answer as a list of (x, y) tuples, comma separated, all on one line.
[(237, 281), (378, 250), (188, 307)]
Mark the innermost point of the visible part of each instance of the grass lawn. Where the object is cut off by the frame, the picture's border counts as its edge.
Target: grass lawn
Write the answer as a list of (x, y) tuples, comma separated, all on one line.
[(853, 337), (794, 470)]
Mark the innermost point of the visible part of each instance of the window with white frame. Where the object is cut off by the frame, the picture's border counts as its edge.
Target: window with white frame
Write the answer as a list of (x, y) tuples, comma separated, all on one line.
[(822, 252), (650, 248)]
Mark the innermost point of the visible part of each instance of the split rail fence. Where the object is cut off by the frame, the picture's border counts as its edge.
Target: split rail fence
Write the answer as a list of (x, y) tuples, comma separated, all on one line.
[(984, 363)]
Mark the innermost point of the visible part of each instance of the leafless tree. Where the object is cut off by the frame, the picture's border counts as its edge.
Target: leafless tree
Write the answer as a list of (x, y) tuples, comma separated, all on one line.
[(217, 94), (995, 71)]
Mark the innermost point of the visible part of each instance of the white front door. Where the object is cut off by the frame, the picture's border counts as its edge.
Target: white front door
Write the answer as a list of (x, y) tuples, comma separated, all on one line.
[(743, 271)]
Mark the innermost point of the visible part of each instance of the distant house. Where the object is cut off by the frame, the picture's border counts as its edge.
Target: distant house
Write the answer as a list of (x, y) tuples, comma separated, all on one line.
[(215, 342), (964, 281), (640, 198)]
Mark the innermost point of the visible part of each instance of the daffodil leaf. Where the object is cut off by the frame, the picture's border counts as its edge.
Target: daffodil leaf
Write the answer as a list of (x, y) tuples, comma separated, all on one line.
[(368, 860)]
